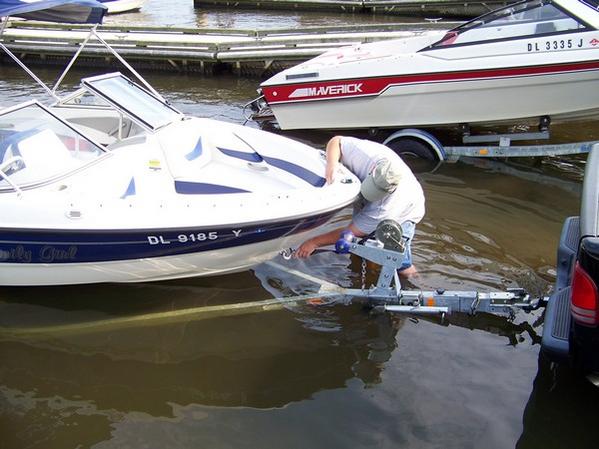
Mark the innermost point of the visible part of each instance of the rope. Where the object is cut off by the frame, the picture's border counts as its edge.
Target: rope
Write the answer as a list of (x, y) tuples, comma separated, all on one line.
[(150, 319)]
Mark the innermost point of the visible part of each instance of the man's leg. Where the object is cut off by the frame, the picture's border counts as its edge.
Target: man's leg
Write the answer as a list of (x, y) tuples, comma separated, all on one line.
[(407, 269)]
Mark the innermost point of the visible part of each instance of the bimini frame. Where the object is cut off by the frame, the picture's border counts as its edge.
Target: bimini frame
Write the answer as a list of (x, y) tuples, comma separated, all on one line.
[(93, 34)]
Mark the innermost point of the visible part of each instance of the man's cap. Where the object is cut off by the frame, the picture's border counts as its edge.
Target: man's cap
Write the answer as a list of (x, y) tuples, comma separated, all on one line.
[(381, 181)]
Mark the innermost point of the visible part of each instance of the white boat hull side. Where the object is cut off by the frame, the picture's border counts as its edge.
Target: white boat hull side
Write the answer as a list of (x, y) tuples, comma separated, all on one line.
[(523, 61), (206, 263), (561, 96), (120, 6)]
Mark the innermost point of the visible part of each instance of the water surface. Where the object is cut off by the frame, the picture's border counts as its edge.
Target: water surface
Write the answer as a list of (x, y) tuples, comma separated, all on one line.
[(307, 376)]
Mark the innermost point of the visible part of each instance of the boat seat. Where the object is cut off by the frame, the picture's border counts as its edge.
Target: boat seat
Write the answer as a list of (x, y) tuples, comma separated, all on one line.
[(545, 27), (42, 151), (10, 138)]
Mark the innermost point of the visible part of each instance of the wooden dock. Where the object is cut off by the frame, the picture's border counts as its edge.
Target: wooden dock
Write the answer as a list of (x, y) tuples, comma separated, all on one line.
[(255, 53), (423, 8)]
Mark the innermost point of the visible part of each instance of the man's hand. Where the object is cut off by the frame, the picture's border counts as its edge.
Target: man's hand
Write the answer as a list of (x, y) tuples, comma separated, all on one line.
[(306, 249), (328, 238)]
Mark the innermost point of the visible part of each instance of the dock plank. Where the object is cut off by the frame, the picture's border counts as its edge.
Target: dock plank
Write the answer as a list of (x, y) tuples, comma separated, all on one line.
[(198, 50)]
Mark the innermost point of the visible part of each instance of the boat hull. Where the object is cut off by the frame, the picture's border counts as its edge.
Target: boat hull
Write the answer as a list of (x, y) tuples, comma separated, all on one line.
[(518, 63), (563, 92), (121, 6), (54, 257)]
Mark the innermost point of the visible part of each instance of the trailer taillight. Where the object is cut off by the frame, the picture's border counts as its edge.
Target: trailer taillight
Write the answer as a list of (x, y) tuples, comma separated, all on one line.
[(585, 298)]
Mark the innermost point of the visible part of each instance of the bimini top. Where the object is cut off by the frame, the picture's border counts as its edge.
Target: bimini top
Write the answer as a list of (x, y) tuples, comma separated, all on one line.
[(69, 11)]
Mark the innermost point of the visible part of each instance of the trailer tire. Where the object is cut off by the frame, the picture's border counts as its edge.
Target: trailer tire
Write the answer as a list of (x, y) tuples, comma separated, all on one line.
[(412, 147)]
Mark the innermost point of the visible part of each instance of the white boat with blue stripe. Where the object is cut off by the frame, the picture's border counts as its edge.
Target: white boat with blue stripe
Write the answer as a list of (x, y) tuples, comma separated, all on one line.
[(122, 6), (112, 184)]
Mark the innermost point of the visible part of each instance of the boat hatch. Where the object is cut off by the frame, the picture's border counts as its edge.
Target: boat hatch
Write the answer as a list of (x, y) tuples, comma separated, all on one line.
[(134, 101), (36, 146), (522, 20)]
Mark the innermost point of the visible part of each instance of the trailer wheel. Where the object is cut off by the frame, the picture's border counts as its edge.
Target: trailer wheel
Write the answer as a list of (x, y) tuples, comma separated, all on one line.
[(412, 148)]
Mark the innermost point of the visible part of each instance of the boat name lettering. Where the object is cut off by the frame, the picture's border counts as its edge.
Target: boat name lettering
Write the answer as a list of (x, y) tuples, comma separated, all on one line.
[(559, 44), (16, 254), (52, 254), (355, 88)]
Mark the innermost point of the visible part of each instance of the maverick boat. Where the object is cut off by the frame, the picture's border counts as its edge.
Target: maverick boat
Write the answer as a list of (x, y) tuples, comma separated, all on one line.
[(532, 59), (112, 184)]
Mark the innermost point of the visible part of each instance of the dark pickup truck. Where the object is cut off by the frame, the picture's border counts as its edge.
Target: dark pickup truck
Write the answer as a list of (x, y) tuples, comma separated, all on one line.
[(571, 330)]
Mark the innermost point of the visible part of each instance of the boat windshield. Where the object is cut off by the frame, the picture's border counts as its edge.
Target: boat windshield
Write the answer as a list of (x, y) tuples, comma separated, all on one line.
[(132, 100), (524, 19), (36, 146)]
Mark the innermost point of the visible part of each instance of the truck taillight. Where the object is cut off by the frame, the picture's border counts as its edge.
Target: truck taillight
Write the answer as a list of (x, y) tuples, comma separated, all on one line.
[(585, 299)]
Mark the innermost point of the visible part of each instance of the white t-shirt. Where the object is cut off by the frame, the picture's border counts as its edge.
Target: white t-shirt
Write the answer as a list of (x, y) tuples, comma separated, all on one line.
[(406, 203)]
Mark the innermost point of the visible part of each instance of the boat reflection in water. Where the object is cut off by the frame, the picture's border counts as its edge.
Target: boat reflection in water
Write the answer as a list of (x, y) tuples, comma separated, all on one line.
[(102, 378)]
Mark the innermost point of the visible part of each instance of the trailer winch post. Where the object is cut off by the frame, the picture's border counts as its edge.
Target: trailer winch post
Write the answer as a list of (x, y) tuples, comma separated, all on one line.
[(387, 294)]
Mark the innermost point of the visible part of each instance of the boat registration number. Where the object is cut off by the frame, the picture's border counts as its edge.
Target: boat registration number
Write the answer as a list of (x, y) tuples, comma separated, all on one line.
[(187, 238), (555, 44)]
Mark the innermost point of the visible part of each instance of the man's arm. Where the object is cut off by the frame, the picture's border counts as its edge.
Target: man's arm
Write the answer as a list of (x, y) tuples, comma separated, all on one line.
[(329, 238), (333, 155), (333, 152)]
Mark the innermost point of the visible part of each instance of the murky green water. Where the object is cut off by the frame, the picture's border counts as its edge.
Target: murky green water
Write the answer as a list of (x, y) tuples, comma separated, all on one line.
[(308, 376)]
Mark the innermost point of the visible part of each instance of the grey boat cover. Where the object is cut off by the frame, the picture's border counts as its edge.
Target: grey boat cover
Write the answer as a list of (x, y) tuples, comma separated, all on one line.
[(66, 11)]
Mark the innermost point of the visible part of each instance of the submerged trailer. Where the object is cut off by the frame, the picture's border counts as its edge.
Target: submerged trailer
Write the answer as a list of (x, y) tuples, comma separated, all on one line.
[(422, 143)]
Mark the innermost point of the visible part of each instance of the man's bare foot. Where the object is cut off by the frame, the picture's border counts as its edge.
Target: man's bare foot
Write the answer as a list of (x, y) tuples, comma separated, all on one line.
[(410, 272)]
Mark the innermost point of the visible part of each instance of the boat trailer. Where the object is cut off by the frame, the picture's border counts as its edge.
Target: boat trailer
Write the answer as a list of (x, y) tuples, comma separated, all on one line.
[(385, 247)]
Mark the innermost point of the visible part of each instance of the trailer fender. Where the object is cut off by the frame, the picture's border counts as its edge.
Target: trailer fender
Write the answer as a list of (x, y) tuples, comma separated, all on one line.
[(417, 142)]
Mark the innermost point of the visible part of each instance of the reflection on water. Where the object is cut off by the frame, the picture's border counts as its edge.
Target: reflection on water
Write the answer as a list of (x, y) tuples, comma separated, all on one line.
[(332, 376), (180, 13), (104, 380), (296, 377), (561, 411)]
